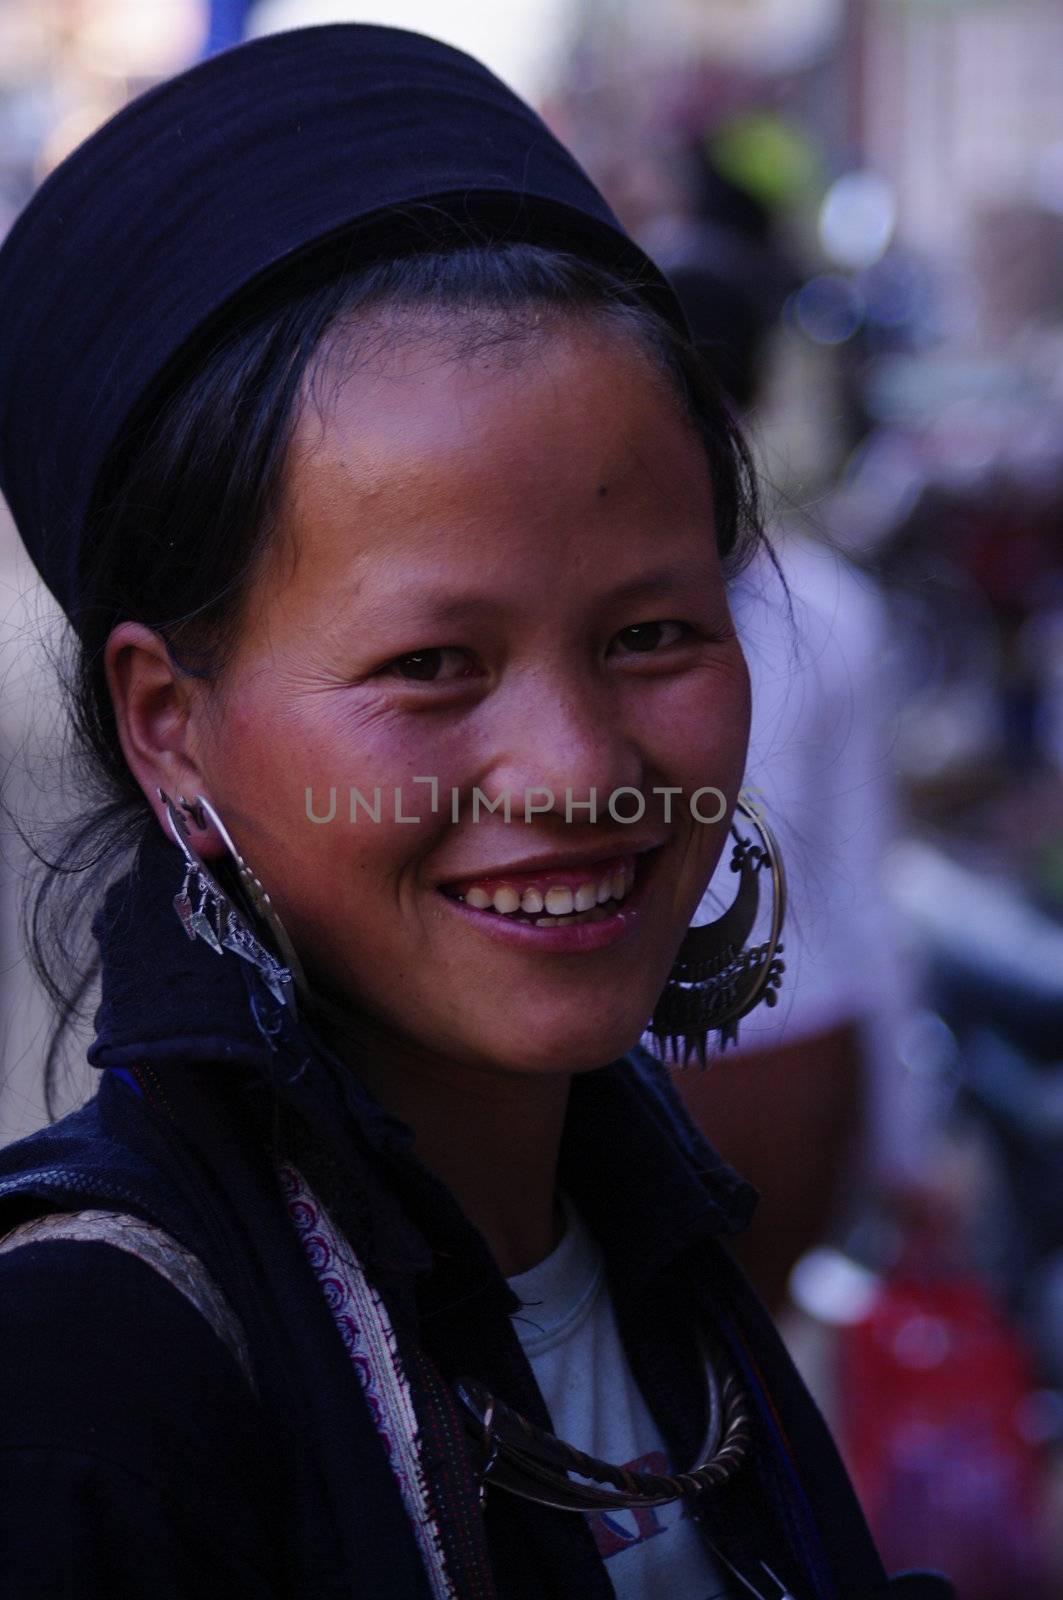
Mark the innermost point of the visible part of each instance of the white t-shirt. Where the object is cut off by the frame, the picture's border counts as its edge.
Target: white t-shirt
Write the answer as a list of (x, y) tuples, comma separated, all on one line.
[(821, 757), (569, 1334)]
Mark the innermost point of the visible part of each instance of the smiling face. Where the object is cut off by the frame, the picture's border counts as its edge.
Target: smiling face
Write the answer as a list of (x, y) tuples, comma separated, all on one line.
[(496, 569)]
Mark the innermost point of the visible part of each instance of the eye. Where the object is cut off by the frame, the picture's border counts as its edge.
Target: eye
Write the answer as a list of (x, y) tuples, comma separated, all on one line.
[(442, 664), (643, 638)]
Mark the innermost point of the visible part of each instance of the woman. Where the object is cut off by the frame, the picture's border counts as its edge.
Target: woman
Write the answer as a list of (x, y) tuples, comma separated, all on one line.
[(391, 509)]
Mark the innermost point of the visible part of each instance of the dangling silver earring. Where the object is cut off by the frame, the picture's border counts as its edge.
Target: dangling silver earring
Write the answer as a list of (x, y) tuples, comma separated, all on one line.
[(714, 981), (207, 912)]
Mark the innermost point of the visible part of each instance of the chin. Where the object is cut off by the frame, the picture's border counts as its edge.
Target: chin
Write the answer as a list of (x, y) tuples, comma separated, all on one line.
[(562, 1045)]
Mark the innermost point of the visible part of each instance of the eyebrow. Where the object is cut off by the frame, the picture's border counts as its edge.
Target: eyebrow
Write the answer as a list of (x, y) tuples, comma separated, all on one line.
[(444, 606), (665, 581)]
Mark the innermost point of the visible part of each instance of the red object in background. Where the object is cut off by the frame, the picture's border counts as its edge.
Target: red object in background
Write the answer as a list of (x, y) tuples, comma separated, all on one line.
[(932, 1388)]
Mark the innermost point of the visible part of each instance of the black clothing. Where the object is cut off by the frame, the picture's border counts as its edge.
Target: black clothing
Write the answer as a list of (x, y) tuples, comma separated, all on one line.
[(132, 1451)]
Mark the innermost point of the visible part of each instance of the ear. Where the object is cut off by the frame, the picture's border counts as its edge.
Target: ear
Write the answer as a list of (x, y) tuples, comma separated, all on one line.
[(156, 707)]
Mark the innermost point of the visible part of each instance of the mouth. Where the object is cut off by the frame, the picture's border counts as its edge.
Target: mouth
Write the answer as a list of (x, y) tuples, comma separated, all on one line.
[(539, 907), (548, 897)]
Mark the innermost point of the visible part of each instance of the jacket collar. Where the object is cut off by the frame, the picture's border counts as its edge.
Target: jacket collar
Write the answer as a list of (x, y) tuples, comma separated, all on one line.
[(648, 1183)]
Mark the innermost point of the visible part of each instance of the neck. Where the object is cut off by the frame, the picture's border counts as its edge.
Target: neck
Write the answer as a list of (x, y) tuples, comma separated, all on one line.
[(492, 1137)]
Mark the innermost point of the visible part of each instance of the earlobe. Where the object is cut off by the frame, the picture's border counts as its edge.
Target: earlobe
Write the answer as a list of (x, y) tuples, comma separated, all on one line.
[(154, 708)]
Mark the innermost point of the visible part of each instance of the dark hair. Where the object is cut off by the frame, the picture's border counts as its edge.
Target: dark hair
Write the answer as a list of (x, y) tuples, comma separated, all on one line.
[(206, 450)]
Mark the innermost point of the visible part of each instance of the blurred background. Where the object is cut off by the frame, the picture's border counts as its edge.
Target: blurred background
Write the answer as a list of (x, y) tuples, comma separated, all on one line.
[(861, 204)]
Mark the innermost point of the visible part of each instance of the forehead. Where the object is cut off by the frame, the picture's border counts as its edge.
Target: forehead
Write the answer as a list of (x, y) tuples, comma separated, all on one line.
[(518, 450)]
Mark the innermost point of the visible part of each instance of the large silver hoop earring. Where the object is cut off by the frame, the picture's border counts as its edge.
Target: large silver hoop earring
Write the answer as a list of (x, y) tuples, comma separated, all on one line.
[(208, 912), (715, 980)]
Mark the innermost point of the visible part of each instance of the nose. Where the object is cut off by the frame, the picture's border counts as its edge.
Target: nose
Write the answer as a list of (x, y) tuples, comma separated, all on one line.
[(561, 747)]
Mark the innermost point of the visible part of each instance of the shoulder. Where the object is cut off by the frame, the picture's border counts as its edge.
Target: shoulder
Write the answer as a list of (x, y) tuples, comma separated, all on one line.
[(110, 1153), (146, 1242), (115, 1388), (96, 1345)]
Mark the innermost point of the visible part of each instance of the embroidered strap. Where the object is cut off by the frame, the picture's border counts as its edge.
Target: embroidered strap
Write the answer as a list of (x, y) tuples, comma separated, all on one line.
[(157, 1249), (369, 1339)]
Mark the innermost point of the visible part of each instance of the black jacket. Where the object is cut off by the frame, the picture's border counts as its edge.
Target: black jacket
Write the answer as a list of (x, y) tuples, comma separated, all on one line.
[(134, 1458)]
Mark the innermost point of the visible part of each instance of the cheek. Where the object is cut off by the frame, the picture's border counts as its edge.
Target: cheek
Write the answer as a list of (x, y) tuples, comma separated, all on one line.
[(698, 727), (700, 739), (277, 760), (282, 776)]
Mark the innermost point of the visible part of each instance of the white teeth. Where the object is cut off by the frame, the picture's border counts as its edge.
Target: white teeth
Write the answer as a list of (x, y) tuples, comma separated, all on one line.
[(559, 901)]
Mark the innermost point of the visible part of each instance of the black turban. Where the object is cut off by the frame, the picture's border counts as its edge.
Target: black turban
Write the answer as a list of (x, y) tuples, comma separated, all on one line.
[(222, 175)]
